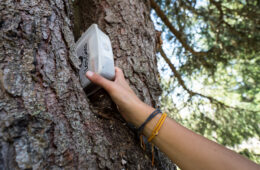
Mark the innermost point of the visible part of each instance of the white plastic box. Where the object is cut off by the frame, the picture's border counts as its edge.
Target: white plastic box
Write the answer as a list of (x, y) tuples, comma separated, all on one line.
[(95, 51)]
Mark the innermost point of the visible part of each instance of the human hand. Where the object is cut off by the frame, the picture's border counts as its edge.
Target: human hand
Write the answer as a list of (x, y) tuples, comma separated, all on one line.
[(129, 105)]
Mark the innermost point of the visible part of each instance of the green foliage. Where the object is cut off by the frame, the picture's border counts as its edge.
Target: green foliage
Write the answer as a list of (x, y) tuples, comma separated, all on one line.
[(228, 32), (250, 154)]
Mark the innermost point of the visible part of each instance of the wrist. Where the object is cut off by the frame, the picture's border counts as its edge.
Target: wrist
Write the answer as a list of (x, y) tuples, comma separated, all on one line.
[(141, 114)]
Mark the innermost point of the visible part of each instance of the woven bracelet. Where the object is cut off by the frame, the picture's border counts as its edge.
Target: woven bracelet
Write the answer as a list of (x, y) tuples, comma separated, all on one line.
[(152, 115), (157, 127)]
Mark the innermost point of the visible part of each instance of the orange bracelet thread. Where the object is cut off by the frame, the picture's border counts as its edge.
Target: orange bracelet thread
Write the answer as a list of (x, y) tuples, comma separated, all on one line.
[(157, 127), (154, 133)]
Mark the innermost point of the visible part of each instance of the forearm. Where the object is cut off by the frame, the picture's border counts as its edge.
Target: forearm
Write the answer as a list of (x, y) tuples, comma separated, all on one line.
[(187, 149), (192, 151)]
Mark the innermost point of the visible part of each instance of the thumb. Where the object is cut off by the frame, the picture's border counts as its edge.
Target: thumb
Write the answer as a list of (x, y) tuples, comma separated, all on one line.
[(99, 80)]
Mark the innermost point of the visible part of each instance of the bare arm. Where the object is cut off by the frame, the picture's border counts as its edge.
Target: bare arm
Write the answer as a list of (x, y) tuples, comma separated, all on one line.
[(184, 147)]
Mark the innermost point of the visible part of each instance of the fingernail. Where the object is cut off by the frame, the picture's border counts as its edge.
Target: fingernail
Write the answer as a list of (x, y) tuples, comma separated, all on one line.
[(90, 73)]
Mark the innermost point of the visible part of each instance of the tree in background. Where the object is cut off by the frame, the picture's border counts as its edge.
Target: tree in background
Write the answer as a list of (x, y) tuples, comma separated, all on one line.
[(215, 44), (46, 121)]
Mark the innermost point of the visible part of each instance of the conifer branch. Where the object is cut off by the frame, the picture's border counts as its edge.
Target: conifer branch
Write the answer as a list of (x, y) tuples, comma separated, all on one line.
[(175, 32), (191, 92)]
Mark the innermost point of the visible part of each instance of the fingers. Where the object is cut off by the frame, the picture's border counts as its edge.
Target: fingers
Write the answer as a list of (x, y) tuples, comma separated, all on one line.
[(120, 78), (119, 73), (103, 82), (99, 80)]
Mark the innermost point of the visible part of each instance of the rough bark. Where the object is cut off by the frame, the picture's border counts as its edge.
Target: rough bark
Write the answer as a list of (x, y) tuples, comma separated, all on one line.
[(46, 121)]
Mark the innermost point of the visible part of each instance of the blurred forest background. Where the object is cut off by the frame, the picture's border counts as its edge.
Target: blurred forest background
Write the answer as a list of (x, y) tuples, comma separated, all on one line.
[(209, 61)]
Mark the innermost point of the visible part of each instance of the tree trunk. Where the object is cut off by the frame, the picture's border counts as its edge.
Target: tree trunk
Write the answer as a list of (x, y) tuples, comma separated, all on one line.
[(46, 121)]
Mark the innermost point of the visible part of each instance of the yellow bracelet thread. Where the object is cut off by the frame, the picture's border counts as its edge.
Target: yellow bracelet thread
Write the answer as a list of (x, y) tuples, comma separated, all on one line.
[(157, 127), (154, 133)]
